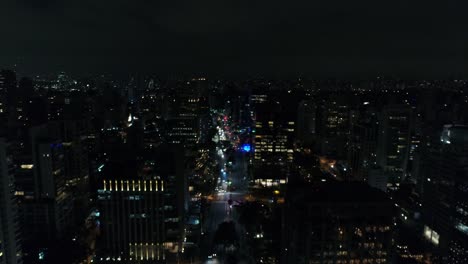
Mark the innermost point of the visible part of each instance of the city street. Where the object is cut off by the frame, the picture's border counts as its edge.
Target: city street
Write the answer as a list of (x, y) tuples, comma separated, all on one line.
[(232, 185), (220, 210)]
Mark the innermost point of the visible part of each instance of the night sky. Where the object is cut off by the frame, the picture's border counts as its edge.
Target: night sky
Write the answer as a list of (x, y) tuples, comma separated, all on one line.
[(319, 38)]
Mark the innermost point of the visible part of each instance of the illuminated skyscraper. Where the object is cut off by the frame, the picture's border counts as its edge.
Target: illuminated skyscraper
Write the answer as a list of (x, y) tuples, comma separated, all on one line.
[(183, 115), (141, 209), (132, 220), (274, 134)]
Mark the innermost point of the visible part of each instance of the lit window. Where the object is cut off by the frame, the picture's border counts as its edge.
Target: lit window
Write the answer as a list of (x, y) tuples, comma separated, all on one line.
[(27, 166)]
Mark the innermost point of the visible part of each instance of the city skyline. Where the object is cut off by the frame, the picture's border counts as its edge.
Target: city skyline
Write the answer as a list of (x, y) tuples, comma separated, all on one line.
[(203, 170), (233, 132)]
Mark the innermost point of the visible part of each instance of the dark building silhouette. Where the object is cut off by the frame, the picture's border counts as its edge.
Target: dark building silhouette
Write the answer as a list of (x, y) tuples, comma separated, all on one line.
[(337, 223), (7, 91), (394, 142), (10, 233), (445, 194)]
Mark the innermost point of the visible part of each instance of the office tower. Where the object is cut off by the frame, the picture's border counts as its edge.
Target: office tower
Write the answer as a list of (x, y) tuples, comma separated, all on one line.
[(110, 107), (76, 164), (334, 118), (235, 108), (135, 90), (10, 236), (132, 220), (273, 143), (306, 121), (337, 223), (274, 134), (362, 145), (55, 106), (19, 108), (47, 211), (182, 131), (142, 208), (445, 194), (182, 115), (170, 163), (273, 137), (393, 142), (205, 121), (151, 100)]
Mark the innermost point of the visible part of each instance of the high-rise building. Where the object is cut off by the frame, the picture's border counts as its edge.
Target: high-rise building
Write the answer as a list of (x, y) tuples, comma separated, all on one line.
[(132, 220), (182, 131), (306, 121), (47, 211), (183, 115), (274, 134), (445, 194), (334, 127), (336, 118), (110, 108), (337, 223), (135, 90), (142, 209), (394, 142), (362, 145), (76, 165), (10, 236)]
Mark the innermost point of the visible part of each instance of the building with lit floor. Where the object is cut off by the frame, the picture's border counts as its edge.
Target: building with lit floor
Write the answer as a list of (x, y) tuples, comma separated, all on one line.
[(142, 209)]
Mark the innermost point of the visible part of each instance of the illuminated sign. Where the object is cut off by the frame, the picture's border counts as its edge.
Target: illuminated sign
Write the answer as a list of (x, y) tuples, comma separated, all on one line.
[(246, 148)]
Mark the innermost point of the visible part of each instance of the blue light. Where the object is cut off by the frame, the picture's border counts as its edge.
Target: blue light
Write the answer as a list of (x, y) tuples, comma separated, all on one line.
[(246, 148)]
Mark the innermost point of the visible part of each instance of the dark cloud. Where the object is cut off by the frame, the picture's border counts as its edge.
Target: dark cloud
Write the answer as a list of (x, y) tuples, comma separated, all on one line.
[(332, 37)]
